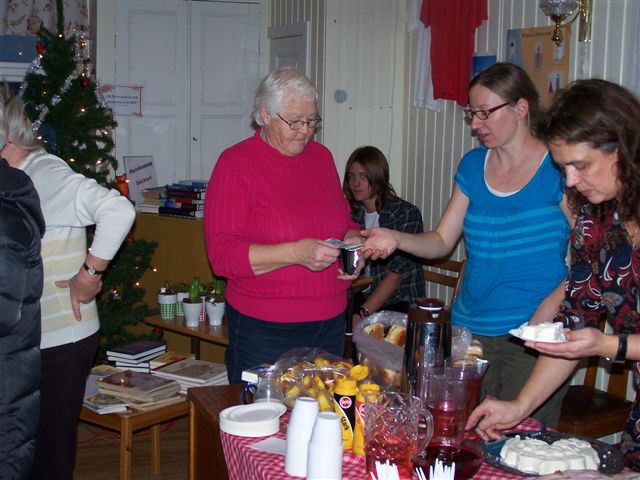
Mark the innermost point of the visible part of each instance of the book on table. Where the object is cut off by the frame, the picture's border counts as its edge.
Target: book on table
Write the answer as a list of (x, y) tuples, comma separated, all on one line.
[(193, 373), (138, 350), (134, 361), (169, 356), (137, 367), (146, 406), (103, 403), (138, 386)]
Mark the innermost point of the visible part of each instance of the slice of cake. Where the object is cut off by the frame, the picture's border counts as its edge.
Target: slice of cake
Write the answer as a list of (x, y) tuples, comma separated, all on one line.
[(543, 332)]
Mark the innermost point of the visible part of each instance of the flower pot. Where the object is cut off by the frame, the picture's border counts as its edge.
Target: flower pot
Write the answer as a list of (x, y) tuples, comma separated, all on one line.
[(167, 304), (181, 297), (192, 313), (215, 311)]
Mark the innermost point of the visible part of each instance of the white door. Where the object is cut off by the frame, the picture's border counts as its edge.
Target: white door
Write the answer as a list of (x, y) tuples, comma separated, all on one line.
[(224, 77), (152, 51), (290, 46), (198, 64)]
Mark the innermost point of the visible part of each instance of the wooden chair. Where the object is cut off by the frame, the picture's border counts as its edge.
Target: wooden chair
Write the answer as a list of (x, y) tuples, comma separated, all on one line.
[(594, 413), (450, 274)]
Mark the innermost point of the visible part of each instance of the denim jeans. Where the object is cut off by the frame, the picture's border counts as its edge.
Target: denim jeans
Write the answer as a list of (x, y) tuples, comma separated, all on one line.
[(252, 341)]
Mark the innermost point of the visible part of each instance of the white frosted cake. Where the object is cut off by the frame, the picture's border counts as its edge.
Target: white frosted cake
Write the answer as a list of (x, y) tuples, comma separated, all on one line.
[(543, 332), (536, 456)]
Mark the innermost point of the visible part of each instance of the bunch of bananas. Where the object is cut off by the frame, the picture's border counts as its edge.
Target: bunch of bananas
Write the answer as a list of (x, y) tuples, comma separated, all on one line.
[(315, 379)]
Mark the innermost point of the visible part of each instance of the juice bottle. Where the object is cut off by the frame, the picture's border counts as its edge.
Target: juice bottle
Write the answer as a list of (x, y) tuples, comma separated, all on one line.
[(364, 390), (344, 404)]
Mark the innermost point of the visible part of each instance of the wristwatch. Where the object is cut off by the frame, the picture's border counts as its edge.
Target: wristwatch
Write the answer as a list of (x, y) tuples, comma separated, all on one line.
[(621, 354), (91, 270)]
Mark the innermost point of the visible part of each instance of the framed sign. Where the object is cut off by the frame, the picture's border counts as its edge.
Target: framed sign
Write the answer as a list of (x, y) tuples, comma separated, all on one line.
[(124, 100)]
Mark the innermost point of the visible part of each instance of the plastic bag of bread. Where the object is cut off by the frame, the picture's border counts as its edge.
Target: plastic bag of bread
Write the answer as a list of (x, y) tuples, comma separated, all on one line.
[(380, 339), (310, 372)]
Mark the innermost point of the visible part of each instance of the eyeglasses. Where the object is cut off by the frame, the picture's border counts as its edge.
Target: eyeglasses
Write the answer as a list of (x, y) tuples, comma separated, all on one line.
[(297, 124), (481, 114)]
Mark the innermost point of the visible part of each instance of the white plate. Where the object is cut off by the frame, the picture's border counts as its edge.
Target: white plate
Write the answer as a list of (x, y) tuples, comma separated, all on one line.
[(253, 420), (517, 332)]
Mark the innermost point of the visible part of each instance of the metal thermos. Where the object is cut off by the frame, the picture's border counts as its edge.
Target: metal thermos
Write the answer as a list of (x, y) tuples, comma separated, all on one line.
[(428, 342)]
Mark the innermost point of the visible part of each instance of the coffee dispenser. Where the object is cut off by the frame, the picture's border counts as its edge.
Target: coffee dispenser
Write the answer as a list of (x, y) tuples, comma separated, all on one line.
[(428, 342)]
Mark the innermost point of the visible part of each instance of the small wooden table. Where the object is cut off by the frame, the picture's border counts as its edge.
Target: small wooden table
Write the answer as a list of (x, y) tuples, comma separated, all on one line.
[(206, 457), (128, 422), (213, 334)]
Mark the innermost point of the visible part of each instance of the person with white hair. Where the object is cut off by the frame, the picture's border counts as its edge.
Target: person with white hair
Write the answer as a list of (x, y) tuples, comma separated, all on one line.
[(272, 202), (70, 202)]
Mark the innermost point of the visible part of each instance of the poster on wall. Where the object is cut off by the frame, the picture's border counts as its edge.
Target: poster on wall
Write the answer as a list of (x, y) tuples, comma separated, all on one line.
[(546, 63), (124, 100)]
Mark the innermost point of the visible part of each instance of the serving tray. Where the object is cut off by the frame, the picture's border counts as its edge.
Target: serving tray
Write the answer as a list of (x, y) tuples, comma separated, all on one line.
[(611, 459)]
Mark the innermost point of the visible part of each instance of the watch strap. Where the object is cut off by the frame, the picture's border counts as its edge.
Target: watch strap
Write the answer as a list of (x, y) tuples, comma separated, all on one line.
[(91, 270), (621, 354)]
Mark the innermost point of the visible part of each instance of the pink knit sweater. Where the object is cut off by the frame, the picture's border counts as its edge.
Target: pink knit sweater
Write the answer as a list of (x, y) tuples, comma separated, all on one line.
[(257, 195)]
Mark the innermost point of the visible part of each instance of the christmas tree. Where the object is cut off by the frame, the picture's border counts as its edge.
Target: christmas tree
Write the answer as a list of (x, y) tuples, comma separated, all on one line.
[(74, 122)]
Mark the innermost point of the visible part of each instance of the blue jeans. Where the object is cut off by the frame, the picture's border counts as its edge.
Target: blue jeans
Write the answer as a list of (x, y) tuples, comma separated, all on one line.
[(253, 341)]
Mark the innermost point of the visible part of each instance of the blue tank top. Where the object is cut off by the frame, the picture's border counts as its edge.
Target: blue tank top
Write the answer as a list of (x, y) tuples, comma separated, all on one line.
[(516, 247)]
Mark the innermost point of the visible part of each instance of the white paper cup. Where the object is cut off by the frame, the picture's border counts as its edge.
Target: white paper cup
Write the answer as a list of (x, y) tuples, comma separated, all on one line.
[(299, 430), (324, 457)]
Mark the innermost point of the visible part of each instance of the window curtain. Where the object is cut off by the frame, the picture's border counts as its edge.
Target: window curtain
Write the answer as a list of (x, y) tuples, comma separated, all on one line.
[(24, 17)]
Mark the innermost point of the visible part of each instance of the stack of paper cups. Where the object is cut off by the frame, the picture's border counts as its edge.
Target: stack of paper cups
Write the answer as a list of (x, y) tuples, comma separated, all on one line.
[(324, 458), (303, 418)]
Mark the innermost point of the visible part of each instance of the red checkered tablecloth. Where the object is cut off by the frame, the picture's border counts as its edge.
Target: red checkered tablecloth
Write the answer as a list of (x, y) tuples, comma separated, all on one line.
[(246, 463)]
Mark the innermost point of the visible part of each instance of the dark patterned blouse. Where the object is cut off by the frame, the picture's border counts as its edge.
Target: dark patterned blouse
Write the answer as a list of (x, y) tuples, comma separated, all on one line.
[(604, 275), (604, 282)]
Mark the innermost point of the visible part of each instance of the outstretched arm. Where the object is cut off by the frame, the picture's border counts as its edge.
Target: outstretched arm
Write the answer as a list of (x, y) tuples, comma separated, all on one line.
[(437, 243)]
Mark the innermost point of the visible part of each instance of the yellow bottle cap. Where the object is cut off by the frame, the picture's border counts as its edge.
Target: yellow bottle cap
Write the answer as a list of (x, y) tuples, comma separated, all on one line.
[(359, 372)]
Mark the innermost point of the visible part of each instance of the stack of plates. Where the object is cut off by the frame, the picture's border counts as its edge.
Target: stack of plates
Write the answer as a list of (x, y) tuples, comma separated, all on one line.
[(254, 420)]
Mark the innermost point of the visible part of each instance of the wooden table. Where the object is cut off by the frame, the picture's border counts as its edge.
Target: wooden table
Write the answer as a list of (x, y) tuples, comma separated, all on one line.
[(131, 421), (206, 457), (206, 332)]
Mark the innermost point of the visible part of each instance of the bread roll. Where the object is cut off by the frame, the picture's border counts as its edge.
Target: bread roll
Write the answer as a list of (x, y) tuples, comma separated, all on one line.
[(475, 349), (375, 330), (397, 335)]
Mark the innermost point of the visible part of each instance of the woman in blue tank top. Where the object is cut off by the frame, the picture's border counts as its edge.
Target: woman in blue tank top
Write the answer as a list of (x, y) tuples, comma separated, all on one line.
[(509, 204)]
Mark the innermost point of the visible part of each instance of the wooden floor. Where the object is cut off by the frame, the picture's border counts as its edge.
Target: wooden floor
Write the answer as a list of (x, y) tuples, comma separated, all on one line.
[(98, 454)]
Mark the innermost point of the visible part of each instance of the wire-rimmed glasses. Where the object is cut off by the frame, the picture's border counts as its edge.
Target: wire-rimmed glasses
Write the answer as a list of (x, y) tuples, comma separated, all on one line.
[(481, 114), (298, 124)]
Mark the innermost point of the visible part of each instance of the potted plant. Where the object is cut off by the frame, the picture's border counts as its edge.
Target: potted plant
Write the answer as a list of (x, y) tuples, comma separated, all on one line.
[(192, 305), (215, 302), (182, 292), (167, 300)]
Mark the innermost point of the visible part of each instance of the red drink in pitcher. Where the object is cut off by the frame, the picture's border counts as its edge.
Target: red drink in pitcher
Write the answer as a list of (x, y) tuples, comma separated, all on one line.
[(448, 422), (393, 447)]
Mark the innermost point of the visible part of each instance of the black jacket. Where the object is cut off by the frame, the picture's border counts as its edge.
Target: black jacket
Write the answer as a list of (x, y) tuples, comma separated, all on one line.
[(21, 228)]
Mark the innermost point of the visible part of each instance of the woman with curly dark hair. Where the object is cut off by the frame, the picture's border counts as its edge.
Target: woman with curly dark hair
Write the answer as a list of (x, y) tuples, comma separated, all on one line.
[(592, 132)]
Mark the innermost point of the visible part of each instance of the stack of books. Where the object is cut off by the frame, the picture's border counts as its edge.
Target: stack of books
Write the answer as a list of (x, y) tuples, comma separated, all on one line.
[(140, 390), (193, 373), (102, 403), (136, 355), (184, 199), (152, 199)]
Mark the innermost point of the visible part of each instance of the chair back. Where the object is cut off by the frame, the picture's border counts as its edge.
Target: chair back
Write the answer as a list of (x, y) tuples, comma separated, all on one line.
[(592, 412), (445, 272)]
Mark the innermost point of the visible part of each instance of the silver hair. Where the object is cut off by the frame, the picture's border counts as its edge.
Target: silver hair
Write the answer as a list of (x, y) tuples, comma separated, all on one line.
[(14, 123), (279, 85)]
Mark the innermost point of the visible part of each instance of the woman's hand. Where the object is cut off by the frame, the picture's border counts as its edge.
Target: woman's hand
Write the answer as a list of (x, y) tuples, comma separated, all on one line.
[(83, 288), (379, 243), (580, 343), (316, 255), (492, 415)]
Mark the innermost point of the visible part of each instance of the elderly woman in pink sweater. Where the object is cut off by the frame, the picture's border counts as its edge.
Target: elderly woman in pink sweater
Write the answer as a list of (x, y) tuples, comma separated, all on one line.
[(272, 201)]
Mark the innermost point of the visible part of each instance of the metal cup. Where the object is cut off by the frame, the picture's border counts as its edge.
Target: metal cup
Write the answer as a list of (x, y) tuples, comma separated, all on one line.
[(349, 258)]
